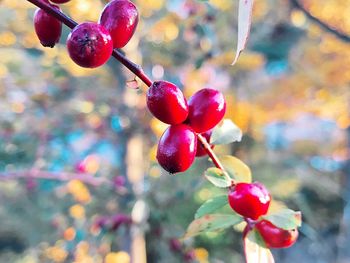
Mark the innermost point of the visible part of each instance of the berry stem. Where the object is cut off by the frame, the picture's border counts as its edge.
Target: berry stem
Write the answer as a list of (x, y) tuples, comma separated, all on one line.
[(54, 12), (213, 156), (136, 69)]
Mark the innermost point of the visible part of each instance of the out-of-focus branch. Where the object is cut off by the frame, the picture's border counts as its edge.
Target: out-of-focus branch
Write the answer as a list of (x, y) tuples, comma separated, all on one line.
[(322, 24), (58, 176)]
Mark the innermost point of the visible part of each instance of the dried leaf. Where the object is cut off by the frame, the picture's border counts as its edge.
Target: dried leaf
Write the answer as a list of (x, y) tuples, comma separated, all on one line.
[(244, 22), (255, 253)]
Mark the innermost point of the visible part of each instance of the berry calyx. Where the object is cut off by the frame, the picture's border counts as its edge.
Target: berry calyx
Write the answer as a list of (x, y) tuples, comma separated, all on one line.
[(167, 102), (200, 149), (47, 28), (59, 1), (177, 148), (120, 18), (276, 237), (207, 107), (249, 200), (89, 45)]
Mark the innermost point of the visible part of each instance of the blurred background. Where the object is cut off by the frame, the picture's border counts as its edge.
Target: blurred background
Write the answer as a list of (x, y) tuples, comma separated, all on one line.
[(79, 179)]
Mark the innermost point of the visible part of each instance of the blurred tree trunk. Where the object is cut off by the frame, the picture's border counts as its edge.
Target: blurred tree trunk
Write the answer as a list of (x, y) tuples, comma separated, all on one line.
[(344, 233), (135, 172)]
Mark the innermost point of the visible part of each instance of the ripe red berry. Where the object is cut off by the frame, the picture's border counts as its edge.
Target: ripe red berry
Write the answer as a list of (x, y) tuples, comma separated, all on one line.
[(207, 107), (89, 45), (177, 148), (120, 18), (249, 200), (59, 1), (200, 149), (276, 237), (47, 28), (167, 102)]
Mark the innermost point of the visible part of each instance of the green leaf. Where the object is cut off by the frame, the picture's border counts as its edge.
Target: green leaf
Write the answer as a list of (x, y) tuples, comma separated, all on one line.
[(254, 253), (226, 133), (210, 223), (212, 205), (286, 219), (217, 177), (236, 169)]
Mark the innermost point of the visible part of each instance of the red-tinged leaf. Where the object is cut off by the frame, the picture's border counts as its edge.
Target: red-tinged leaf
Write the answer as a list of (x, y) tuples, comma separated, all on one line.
[(286, 219), (255, 253), (244, 22), (210, 223)]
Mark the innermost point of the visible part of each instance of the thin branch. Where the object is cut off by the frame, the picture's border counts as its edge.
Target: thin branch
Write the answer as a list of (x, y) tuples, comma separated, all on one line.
[(58, 176), (213, 156), (210, 152), (325, 26), (47, 7), (134, 68)]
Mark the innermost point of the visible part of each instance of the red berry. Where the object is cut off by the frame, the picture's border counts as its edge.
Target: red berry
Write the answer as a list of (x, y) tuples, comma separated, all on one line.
[(189, 256), (120, 18), (207, 107), (167, 102), (59, 1), (177, 148), (120, 219), (250, 200), (175, 245), (276, 237), (200, 149), (47, 28), (89, 45)]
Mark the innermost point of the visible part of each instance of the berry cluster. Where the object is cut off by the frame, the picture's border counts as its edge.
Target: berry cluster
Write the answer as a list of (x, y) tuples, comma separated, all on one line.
[(178, 145), (90, 44)]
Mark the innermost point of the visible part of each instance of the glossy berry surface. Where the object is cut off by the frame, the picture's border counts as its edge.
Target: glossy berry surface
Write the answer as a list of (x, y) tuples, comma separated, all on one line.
[(249, 200), (207, 107), (167, 102), (276, 237), (89, 45), (120, 18), (59, 1), (200, 149), (177, 148), (47, 28)]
